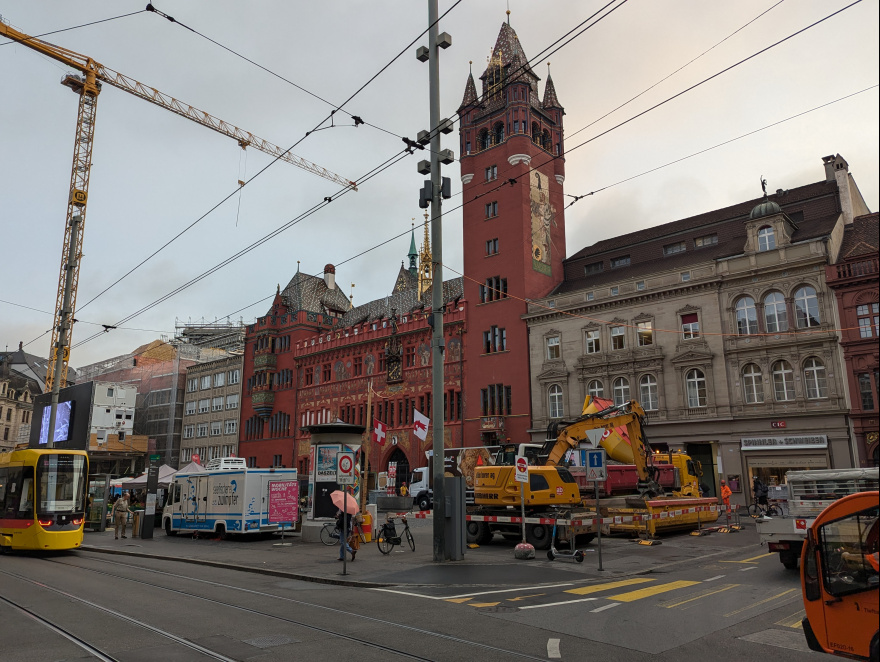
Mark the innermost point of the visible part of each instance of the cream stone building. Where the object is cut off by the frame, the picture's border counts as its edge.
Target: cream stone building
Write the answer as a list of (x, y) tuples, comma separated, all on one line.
[(720, 325), (212, 410)]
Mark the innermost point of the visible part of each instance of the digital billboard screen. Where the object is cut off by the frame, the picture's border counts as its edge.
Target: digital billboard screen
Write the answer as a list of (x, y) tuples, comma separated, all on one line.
[(63, 418)]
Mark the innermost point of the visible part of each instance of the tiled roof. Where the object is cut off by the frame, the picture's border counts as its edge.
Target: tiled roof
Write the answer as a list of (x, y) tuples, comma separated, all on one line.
[(813, 209), (550, 99), (513, 58), (311, 294), (861, 237), (401, 302), (37, 365), (470, 92)]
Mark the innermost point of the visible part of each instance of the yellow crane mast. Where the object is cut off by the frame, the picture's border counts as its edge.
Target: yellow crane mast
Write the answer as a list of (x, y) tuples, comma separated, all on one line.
[(88, 87)]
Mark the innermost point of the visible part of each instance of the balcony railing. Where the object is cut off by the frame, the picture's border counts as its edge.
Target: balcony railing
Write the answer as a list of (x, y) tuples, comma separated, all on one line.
[(855, 269)]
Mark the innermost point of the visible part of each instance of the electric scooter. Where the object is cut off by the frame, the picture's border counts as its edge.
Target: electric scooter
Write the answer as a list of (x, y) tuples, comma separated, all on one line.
[(572, 553)]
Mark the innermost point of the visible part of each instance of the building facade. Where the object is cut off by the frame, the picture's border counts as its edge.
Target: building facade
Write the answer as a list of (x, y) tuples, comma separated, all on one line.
[(113, 447), (211, 410), (17, 393), (854, 280), (721, 325)]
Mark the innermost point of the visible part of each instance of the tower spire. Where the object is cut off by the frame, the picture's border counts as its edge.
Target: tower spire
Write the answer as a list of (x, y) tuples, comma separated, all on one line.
[(413, 254), (426, 269)]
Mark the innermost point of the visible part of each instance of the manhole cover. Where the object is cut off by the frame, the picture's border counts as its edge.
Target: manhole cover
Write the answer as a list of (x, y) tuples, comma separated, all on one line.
[(271, 640)]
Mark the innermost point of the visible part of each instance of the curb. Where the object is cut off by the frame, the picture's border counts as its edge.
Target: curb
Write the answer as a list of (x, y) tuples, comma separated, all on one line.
[(240, 568)]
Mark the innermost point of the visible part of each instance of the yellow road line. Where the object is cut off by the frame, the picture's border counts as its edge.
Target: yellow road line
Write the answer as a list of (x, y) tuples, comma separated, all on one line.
[(595, 588), (705, 594), (651, 590), (482, 604), (458, 600), (793, 621), (755, 604), (760, 556), (524, 597)]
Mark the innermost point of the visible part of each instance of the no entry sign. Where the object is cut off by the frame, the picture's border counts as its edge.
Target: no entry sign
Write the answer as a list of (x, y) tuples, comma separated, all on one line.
[(522, 469), (345, 468)]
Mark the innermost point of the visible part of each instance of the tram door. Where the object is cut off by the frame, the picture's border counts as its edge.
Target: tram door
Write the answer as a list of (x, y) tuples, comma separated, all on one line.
[(99, 493)]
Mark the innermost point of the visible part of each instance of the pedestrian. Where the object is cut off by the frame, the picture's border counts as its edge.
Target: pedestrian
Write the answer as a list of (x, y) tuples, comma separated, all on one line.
[(343, 528), (403, 490), (761, 491), (725, 495), (119, 514)]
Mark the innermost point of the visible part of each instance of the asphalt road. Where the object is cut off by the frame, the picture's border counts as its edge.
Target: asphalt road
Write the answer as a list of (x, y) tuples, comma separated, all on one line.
[(727, 599)]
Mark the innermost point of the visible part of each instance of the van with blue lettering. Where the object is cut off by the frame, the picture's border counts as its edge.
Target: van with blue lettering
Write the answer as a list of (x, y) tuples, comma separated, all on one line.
[(232, 501)]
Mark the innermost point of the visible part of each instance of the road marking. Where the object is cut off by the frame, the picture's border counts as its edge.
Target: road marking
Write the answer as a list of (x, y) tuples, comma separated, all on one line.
[(483, 604), (469, 595), (595, 588), (609, 606), (751, 567), (458, 600), (556, 604), (793, 621), (712, 579), (755, 604), (704, 594), (760, 556), (651, 590), (523, 597), (553, 648)]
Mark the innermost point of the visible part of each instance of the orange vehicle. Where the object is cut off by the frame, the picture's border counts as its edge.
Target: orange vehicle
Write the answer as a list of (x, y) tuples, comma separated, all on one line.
[(840, 579)]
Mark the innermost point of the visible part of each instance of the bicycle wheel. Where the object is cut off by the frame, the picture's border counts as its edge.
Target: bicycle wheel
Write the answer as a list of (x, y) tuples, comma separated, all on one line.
[(384, 545), (327, 535), (773, 511), (754, 510), (409, 539)]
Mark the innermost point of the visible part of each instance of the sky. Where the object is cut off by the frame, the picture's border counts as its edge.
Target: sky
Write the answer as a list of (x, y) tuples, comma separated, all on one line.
[(154, 173)]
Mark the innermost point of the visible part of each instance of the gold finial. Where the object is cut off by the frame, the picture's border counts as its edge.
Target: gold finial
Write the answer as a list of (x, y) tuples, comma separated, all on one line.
[(297, 266), (470, 66), (351, 296)]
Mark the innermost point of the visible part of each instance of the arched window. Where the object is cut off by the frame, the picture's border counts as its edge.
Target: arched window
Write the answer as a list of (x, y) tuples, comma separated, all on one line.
[(648, 393), (536, 133), (783, 381), (753, 384), (545, 140), (814, 376), (746, 316), (766, 239), (775, 315), (483, 140), (621, 390), (695, 381), (498, 133), (806, 307), (555, 401), (596, 388)]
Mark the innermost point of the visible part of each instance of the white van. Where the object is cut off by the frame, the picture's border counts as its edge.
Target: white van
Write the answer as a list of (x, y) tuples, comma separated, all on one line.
[(221, 463)]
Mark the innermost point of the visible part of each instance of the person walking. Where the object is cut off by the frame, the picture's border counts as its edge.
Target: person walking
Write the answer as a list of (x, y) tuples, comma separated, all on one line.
[(343, 528), (120, 514), (725, 496)]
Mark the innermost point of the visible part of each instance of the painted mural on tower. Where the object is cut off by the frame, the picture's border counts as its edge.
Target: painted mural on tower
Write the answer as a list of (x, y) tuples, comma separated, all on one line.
[(543, 218)]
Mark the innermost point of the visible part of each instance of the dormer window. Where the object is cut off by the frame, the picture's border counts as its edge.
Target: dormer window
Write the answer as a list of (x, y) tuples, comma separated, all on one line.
[(766, 239)]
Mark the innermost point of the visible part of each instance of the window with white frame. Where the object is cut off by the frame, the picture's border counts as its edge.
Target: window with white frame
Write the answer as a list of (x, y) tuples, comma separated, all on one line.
[(205, 382), (189, 431), (233, 376), (753, 384), (783, 381), (615, 291), (591, 341), (216, 428), (690, 326), (645, 333), (618, 337), (219, 379), (640, 285), (202, 430), (204, 405), (553, 350), (192, 385), (648, 394), (746, 316), (806, 307), (814, 376), (232, 401), (685, 276), (868, 319), (596, 388), (621, 390), (217, 404), (695, 381), (190, 407), (766, 239), (231, 426), (775, 315), (555, 401)]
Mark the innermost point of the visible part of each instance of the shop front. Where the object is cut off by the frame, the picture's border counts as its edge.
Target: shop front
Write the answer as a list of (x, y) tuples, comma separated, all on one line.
[(769, 458)]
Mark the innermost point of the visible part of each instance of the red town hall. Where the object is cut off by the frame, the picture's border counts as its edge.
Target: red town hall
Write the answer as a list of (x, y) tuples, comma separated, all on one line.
[(314, 358)]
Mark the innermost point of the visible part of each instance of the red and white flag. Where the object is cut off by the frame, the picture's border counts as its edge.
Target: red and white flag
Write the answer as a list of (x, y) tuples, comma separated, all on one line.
[(421, 423), (380, 431)]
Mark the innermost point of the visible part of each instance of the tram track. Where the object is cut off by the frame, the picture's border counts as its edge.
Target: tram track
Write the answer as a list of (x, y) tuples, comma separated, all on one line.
[(311, 605)]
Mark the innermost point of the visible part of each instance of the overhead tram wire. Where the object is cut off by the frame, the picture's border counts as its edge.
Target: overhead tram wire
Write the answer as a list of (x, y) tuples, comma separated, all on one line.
[(77, 27), (271, 163), (46, 312)]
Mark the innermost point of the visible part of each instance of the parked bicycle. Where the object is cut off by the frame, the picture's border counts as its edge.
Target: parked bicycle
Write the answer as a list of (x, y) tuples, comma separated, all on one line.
[(388, 538), (757, 509), (330, 534)]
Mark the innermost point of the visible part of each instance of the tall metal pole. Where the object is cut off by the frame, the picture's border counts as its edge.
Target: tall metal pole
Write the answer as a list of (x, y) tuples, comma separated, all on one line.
[(437, 387), (64, 330)]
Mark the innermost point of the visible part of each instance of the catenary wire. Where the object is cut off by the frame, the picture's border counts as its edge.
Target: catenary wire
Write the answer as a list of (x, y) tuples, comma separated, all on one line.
[(77, 27)]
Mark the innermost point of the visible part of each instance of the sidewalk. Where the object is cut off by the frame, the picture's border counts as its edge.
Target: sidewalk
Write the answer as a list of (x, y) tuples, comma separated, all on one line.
[(489, 565)]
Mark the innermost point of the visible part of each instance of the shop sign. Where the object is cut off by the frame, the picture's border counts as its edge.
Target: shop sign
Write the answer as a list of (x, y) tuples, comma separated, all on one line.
[(784, 443), (777, 424)]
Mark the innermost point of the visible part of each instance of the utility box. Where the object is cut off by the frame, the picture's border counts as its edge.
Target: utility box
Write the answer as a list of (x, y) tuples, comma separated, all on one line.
[(456, 534)]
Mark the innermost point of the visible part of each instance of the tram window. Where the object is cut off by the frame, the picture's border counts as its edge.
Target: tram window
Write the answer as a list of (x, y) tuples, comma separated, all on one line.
[(17, 502), (3, 479)]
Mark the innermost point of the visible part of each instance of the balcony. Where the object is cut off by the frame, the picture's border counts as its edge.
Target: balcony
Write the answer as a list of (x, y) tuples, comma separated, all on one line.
[(263, 402), (265, 361)]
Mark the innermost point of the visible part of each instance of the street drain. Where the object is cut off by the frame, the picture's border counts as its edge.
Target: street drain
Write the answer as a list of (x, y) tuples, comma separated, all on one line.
[(271, 640)]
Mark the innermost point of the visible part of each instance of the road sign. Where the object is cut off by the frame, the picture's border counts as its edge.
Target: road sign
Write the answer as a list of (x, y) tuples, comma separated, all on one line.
[(522, 469), (345, 468), (595, 464)]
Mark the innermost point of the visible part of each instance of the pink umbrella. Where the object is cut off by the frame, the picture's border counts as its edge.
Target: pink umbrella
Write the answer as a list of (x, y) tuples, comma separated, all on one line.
[(350, 506)]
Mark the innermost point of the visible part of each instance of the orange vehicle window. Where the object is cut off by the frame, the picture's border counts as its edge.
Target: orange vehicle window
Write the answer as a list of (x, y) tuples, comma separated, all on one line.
[(846, 545)]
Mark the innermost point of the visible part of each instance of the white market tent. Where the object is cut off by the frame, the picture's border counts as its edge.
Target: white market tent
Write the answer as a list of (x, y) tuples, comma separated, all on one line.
[(166, 473), (192, 468)]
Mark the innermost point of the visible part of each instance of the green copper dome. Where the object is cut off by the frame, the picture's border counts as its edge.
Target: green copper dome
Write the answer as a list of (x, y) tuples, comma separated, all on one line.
[(766, 208)]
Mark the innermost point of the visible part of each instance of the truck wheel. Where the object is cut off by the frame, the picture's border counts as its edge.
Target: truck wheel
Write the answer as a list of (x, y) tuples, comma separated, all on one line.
[(538, 536), (221, 532), (424, 503), (790, 561), (168, 531)]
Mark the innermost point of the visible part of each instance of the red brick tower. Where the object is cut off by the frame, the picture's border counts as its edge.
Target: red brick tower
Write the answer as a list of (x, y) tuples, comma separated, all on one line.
[(514, 232)]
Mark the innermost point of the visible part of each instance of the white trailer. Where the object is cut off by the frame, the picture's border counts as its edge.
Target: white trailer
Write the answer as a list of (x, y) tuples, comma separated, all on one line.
[(223, 501)]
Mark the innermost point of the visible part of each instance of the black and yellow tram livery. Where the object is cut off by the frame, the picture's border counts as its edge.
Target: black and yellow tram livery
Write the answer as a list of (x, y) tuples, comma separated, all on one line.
[(42, 499)]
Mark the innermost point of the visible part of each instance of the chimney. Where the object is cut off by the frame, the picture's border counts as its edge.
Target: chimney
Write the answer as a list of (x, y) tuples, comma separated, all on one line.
[(837, 169), (330, 276)]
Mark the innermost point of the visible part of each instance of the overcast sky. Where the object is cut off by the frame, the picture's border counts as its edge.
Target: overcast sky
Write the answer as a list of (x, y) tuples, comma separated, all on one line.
[(154, 172)]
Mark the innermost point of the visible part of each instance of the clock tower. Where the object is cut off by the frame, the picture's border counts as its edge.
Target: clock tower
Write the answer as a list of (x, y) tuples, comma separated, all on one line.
[(512, 171)]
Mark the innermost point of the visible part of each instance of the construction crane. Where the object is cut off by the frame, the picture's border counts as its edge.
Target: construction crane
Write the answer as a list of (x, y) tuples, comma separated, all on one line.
[(88, 87)]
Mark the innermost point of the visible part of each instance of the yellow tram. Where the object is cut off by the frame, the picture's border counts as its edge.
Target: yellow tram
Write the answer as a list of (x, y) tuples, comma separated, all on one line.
[(42, 499)]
